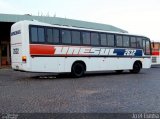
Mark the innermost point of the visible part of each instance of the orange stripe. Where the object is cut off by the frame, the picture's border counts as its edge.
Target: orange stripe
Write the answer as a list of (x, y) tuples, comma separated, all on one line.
[(41, 50)]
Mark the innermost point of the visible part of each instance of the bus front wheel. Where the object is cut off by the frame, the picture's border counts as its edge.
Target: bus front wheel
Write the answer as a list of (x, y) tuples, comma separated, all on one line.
[(136, 68), (78, 70)]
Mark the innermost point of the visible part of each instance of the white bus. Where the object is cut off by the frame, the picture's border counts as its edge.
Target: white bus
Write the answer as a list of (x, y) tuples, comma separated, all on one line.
[(41, 47)]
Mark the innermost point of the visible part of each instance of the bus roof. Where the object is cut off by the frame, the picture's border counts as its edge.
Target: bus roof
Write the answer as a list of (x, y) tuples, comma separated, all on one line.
[(35, 22)]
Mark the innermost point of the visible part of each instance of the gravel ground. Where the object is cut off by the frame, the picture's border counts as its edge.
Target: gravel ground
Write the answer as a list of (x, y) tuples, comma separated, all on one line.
[(105, 92)]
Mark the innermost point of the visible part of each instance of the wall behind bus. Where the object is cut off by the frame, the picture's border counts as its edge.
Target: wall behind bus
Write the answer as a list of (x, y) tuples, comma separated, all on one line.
[(5, 58)]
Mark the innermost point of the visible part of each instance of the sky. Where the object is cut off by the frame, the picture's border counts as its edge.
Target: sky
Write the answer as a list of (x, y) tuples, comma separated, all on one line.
[(135, 16)]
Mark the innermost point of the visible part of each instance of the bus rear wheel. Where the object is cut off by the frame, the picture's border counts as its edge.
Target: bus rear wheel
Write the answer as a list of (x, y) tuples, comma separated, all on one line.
[(136, 68), (78, 70)]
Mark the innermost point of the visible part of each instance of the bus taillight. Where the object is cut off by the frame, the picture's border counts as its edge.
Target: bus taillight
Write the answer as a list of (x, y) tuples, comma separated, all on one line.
[(24, 59)]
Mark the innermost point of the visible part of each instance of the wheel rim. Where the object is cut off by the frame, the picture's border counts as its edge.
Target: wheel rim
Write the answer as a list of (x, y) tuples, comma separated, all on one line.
[(78, 69)]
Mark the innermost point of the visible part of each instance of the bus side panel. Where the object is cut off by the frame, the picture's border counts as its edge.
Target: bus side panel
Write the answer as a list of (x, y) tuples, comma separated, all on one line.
[(99, 63), (103, 64), (120, 63), (91, 63), (146, 63), (64, 64), (46, 64), (124, 63)]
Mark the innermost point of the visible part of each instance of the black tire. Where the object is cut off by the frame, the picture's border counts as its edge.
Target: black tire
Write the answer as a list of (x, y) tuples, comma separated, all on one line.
[(78, 70), (136, 68), (118, 71)]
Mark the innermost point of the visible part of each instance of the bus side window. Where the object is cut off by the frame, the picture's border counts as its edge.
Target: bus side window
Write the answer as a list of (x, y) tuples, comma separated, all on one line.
[(103, 39), (34, 36), (119, 40), (133, 42), (110, 39), (86, 38), (139, 42), (94, 39), (144, 46), (56, 35), (125, 41), (41, 37), (76, 39), (49, 35), (66, 37), (148, 49)]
